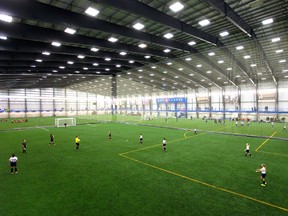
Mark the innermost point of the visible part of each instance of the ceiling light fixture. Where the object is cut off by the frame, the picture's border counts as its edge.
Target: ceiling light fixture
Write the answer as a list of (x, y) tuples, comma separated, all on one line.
[(57, 44), (191, 43), (138, 26), (267, 21), (46, 53), (275, 39), (246, 57), (92, 11), (112, 39), (123, 53), (142, 45), (38, 60), (70, 31), (168, 36), (81, 56), (279, 51), (223, 34), (204, 22), (211, 54), (167, 50), (6, 18), (2, 37), (239, 47), (177, 6), (70, 62), (107, 59), (94, 49)]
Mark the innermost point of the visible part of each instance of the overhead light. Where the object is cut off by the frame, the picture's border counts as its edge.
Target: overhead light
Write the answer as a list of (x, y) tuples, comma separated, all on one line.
[(107, 59), (70, 31), (276, 39), (246, 57), (208, 72), (191, 43), (239, 47), (131, 61), (70, 62), (61, 67), (123, 53), (168, 36), (138, 26), (118, 65), (199, 65), (218, 78), (165, 72), (229, 69), (142, 45), (140, 70), (253, 65), (220, 61), (188, 59), (153, 67), (223, 34), (54, 71), (107, 69), (81, 56), (6, 18), (3, 37), (46, 53), (112, 39), (285, 70), (38, 60), (180, 69), (85, 68), (177, 6), (94, 49), (77, 71), (147, 57), (169, 63), (33, 66), (204, 22), (211, 54), (95, 64), (279, 51), (267, 21), (259, 73), (167, 50), (282, 61), (57, 44), (91, 11)]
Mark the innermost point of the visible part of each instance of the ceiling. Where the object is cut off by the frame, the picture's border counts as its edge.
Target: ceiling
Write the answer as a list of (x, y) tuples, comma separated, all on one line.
[(246, 55)]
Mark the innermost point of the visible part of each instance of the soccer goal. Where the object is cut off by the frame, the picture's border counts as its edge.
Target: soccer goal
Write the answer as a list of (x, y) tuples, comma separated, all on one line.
[(63, 122)]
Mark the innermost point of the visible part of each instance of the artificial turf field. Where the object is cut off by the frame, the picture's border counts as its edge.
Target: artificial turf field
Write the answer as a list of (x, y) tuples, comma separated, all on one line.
[(203, 174)]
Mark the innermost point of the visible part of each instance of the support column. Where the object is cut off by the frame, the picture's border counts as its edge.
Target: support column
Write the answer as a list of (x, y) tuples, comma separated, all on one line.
[(277, 101), (239, 101), (54, 105), (9, 107), (41, 105), (114, 97), (257, 104), (77, 103), (224, 105), (209, 102), (25, 104), (65, 102), (86, 103)]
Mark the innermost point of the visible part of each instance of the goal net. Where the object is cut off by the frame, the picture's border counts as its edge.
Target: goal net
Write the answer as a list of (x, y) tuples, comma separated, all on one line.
[(63, 122)]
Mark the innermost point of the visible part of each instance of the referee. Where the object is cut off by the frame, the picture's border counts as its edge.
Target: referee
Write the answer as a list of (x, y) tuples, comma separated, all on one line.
[(13, 163)]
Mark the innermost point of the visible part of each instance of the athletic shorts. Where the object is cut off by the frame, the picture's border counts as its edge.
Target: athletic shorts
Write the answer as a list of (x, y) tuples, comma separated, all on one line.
[(247, 150), (263, 175), (13, 164), (77, 144)]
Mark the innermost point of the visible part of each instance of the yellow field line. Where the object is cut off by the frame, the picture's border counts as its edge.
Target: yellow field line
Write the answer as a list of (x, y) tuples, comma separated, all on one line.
[(265, 141), (286, 155), (203, 183)]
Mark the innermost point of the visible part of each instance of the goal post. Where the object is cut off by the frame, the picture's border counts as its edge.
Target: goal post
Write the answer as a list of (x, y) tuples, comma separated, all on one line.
[(60, 122)]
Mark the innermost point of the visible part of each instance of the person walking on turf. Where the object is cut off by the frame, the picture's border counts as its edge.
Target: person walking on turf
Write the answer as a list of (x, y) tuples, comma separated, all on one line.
[(263, 174), (109, 136), (164, 144), (24, 146), (141, 139), (77, 142), (247, 149), (13, 163), (284, 127), (52, 140)]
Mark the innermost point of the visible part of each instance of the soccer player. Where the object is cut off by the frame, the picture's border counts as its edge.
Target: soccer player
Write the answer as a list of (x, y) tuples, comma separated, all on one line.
[(13, 163), (65, 124), (52, 140), (284, 127), (247, 149), (24, 146), (263, 174), (272, 124), (236, 123), (141, 138), (195, 131), (164, 144), (77, 142), (242, 123), (109, 136)]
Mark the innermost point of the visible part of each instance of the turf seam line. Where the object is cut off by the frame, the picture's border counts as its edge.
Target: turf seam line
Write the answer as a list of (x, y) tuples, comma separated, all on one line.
[(203, 183), (273, 153)]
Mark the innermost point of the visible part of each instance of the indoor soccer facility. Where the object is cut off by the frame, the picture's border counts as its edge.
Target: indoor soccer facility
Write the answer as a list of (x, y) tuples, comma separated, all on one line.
[(141, 107)]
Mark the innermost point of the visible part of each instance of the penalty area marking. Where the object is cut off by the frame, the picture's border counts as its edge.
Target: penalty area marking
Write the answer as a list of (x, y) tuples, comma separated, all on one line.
[(203, 183), (43, 128)]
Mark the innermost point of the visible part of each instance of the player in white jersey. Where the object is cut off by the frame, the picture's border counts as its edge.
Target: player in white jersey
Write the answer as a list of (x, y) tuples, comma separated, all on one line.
[(13, 163), (164, 144), (247, 149), (141, 139), (263, 174)]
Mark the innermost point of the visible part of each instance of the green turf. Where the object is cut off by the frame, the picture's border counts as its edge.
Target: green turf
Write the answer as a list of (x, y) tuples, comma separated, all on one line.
[(188, 179)]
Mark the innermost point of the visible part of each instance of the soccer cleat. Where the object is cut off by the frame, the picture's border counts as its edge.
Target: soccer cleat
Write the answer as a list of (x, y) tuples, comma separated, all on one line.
[(263, 185)]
